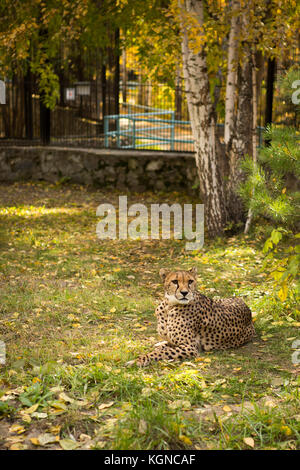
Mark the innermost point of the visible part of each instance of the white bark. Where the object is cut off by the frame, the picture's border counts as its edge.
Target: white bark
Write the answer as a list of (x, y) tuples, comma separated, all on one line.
[(231, 81), (202, 120)]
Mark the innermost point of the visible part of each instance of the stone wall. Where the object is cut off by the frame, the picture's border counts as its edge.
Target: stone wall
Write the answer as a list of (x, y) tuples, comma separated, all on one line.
[(131, 169)]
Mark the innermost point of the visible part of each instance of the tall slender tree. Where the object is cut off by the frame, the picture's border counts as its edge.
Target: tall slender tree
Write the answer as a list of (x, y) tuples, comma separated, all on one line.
[(202, 115)]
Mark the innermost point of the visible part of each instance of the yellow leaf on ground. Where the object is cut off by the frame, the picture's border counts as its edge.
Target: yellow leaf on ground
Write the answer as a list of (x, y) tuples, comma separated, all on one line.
[(47, 438), (16, 428), (105, 405), (39, 415), (185, 439), (64, 397), (249, 441), (58, 405), (15, 439), (26, 418), (55, 429), (68, 444), (227, 408), (35, 441), (18, 446), (32, 409)]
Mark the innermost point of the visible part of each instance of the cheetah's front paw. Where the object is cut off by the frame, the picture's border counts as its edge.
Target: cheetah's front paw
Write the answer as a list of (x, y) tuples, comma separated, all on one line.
[(143, 361)]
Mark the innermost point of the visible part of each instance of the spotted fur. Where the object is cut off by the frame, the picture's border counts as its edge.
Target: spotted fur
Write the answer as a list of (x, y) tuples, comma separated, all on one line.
[(189, 321)]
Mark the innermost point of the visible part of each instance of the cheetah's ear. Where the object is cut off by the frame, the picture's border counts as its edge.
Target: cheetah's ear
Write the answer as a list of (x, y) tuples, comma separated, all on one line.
[(163, 273), (193, 271)]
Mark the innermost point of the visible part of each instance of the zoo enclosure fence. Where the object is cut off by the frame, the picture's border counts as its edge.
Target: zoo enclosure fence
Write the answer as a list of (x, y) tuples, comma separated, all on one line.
[(107, 110)]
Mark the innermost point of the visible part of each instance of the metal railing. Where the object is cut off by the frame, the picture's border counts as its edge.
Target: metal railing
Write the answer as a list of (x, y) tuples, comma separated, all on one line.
[(130, 132), (140, 130)]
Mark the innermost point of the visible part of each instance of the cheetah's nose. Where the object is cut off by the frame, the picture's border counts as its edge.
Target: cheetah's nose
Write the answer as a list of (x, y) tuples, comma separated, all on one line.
[(184, 292)]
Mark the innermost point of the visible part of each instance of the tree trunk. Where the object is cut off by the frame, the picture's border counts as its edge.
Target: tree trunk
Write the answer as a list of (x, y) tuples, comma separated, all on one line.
[(104, 91), (124, 77), (269, 94), (238, 112), (117, 72), (28, 111), (241, 144), (45, 122), (254, 131), (178, 96), (203, 123), (231, 81)]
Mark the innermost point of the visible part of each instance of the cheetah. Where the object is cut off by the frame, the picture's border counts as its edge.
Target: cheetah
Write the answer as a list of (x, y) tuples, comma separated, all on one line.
[(188, 321)]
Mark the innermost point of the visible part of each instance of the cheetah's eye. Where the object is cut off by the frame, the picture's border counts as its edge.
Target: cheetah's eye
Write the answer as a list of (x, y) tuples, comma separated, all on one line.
[(175, 282), (190, 282)]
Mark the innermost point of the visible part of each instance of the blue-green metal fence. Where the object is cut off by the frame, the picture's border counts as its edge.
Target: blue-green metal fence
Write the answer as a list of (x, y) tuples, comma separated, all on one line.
[(141, 130)]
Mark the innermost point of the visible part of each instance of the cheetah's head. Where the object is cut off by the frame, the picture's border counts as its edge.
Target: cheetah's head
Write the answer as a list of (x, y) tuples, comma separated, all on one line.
[(179, 285)]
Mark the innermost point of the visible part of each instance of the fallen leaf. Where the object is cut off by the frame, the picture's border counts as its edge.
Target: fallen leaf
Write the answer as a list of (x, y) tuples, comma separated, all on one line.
[(183, 404), (32, 409), (105, 405), (47, 438), (35, 441), (227, 408), (55, 429), (59, 405), (26, 418), (16, 428), (15, 439), (18, 446), (185, 439), (64, 397), (68, 444), (39, 415), (249, 441)]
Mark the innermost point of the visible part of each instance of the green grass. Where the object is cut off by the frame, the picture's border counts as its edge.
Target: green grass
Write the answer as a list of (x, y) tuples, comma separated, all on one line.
[(75, 309)]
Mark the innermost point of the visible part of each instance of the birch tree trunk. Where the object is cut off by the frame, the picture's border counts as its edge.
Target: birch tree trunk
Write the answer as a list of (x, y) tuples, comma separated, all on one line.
[(254, 132), (202, 118), (231, 79)]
